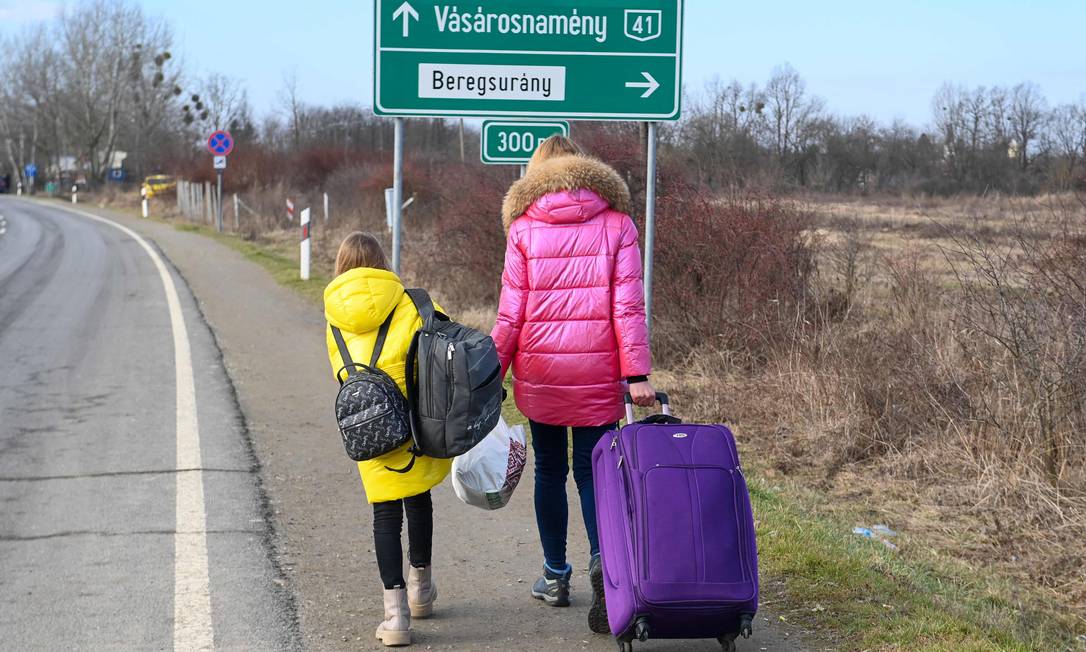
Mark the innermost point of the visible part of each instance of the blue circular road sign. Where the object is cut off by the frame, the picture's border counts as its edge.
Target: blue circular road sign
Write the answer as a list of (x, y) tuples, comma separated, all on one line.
[(220, 143)]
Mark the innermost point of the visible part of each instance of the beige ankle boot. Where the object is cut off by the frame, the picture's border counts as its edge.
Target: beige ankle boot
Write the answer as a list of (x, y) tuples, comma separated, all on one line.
[(396, 629), (421, 591)]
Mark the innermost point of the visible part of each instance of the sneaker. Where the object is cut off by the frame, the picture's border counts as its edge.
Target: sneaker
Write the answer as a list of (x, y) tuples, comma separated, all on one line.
[(553, 588), (597, 613)]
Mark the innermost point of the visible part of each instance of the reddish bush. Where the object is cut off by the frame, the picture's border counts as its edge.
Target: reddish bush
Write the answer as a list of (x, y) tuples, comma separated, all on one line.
[(465, 254), (728, 275)]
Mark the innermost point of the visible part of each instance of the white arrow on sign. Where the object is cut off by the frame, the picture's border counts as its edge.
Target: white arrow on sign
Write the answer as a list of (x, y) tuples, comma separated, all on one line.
[(650, 85), (407, 12)]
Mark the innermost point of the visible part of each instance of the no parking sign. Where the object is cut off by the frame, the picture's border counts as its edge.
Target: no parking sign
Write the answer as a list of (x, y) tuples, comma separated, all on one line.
[(220, 143)]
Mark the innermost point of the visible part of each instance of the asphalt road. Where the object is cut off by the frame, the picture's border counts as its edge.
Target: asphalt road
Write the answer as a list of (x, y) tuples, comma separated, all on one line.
[(102, 545), (74, 336)]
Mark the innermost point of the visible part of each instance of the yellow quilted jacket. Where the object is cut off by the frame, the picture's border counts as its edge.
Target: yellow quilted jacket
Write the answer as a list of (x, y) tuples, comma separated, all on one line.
[(358, 302)]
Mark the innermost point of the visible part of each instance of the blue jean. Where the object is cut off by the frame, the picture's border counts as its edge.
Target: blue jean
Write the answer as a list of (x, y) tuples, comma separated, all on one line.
[(551, 447)]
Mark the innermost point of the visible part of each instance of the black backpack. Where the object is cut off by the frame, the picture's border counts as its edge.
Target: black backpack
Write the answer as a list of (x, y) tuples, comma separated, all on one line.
[(370, 408), (454, 385)]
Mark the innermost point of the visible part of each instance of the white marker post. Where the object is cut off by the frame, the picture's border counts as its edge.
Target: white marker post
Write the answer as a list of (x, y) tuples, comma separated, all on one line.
[(389, 199), (325, 207), (143, 200), (237, 213), (19, 189), (305, 244), (290, 209), (75, 194)]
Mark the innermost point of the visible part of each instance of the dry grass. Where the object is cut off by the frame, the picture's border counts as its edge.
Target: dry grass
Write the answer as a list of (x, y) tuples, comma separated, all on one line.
[(943, 393)]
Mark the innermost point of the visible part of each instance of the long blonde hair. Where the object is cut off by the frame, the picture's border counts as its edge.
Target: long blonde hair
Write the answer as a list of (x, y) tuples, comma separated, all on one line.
[(360, 249), (553, 147)]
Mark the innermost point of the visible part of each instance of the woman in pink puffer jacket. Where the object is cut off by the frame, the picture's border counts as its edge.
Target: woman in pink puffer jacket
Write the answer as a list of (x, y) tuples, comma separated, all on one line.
[(571, 323)]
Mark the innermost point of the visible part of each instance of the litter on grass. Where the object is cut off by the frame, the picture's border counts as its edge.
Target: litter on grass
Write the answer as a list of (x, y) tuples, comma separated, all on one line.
[(880, 533)]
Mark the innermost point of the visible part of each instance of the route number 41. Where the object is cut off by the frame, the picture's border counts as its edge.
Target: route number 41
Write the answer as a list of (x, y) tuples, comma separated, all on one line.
[(643, 24)]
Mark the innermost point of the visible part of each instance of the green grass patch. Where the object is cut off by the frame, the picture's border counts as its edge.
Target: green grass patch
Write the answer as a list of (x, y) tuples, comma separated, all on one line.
[(863, 596), (282, 268)]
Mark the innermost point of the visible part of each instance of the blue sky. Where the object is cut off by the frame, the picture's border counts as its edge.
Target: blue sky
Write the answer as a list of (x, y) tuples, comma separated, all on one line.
[(883, 59)]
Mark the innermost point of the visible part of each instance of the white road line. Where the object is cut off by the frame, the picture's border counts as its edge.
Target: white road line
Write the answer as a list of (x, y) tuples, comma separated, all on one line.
[(192, 627)]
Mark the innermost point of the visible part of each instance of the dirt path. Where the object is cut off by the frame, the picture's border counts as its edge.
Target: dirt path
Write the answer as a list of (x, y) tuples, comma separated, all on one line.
[(273, 345)]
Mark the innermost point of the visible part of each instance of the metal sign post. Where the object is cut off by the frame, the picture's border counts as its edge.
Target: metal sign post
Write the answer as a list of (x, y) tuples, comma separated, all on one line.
[(650, 222), (31, 172), (532, 58), (220, 144), (143, 201), (505, 142), (220, 165), (397, 194)]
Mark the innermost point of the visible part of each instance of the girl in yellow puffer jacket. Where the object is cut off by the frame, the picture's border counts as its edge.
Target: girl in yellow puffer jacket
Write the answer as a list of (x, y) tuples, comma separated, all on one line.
[(357, 302)]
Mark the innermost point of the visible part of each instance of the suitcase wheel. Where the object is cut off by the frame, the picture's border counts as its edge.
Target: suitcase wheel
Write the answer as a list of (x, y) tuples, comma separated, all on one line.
[(746, 625), (641, 629), (727, 643), (625, 646)]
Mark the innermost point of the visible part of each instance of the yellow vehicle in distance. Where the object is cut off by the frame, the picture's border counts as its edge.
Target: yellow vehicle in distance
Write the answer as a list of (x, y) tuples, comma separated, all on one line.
[(158, 184)]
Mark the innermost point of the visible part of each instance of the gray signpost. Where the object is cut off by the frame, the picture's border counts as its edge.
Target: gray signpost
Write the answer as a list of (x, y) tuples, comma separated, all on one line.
[(605, 60), (219, 145)]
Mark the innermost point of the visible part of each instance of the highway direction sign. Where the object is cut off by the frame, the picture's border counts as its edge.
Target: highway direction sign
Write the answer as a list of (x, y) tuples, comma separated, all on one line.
[(603, 60), (31, 170), (507, 142), (220, 143)]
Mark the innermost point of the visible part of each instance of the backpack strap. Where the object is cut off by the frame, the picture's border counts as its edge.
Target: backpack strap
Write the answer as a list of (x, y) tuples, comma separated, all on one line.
[(382, 335), (425, 307), (423, 303), (344, 353)]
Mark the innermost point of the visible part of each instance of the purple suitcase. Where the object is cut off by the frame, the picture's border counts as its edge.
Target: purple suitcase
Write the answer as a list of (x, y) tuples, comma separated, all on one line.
[(676, 531)]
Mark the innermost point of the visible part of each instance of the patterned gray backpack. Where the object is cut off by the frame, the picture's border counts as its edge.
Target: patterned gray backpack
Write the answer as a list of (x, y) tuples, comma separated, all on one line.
[(370, 408)]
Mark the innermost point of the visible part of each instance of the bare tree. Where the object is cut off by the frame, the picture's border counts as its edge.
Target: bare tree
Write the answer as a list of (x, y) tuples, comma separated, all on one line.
[(225, 101), (790, 109), (294, 108), (153, 88), (1027, 114), (1066, 138)]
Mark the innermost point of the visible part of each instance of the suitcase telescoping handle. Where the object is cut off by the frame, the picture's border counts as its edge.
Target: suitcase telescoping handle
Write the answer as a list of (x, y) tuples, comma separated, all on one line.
[(665, 403)]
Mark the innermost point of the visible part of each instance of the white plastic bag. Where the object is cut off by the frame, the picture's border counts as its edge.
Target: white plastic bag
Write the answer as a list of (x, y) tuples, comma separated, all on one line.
[(486, 475)]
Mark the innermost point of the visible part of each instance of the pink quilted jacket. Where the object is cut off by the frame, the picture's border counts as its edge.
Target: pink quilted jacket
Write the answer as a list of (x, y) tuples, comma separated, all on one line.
[(571, 321)]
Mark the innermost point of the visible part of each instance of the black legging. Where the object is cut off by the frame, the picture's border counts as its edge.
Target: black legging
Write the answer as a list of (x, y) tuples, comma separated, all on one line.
[(387, 526)]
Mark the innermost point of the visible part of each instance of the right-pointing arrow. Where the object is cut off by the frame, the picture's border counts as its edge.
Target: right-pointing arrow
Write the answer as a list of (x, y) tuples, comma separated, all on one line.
[(650, 85)]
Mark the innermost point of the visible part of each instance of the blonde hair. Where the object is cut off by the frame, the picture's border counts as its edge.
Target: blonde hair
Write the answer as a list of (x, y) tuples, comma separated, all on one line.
[(553, 147), (360, 250)]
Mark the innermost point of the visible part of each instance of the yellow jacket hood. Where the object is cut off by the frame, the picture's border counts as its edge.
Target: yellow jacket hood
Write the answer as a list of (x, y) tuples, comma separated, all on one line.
[(359, 300)]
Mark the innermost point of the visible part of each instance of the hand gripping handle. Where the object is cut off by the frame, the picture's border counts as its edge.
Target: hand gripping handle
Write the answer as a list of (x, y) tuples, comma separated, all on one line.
[(661, 397)]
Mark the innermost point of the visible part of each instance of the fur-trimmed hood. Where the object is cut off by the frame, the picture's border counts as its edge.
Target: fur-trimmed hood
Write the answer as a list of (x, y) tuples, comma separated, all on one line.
[(565, 173)]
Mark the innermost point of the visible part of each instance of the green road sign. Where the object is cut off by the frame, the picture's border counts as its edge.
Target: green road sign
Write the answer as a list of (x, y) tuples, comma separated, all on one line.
[(514, 142), (590, 60)]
